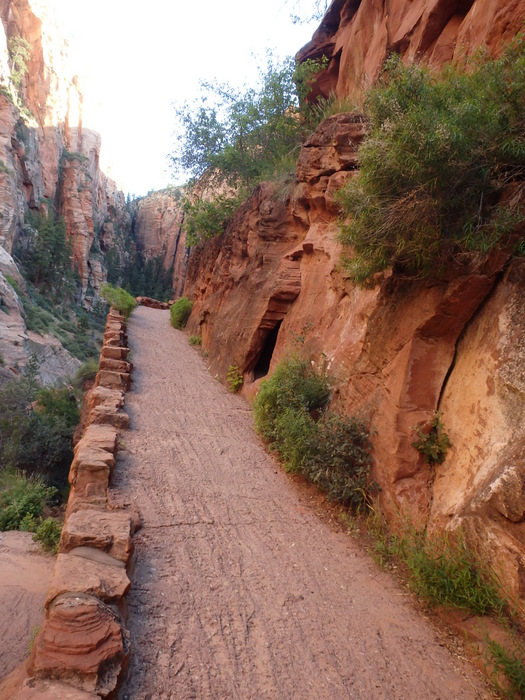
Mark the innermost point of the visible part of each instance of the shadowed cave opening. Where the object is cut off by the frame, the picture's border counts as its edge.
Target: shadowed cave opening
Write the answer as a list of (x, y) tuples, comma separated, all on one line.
[(263, 363)]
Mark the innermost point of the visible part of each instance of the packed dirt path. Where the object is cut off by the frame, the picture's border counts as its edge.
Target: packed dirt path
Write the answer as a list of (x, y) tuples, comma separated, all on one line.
[(240, 590)]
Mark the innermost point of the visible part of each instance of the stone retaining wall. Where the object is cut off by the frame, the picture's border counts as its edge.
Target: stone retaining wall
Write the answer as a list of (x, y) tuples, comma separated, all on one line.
[(83, 645)]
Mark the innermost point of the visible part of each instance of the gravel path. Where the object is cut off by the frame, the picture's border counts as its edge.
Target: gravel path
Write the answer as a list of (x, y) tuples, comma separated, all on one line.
[(240, 590)]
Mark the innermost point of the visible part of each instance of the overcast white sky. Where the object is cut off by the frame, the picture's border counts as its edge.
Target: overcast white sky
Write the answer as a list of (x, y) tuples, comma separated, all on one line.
[(136, 58)]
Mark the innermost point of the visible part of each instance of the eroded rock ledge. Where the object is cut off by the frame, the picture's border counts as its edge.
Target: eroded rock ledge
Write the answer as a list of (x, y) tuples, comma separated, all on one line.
[(83, 645)]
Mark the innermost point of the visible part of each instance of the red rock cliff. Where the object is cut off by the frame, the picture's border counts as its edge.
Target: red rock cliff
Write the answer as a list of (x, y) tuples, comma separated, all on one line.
[(358, 35), (50, 158), (402, 349)]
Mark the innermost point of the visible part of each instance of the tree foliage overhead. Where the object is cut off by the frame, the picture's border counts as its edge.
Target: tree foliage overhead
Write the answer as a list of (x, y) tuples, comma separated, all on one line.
[(242, 137), (243, 134), (441, 149)]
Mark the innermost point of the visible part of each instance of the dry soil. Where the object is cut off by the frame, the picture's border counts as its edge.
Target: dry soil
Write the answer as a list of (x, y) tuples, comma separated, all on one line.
[(240, 590)]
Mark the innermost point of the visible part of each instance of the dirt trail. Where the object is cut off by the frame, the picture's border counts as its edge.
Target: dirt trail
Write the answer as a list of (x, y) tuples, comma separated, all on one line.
[(240, 590)]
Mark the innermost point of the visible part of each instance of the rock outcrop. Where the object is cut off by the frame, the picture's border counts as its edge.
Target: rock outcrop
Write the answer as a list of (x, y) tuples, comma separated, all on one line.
[(358, 35), (49, 163)]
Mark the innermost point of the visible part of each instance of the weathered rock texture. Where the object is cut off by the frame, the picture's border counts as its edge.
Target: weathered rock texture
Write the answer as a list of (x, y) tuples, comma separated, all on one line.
[(358, 35), (404, 348), (158, 230), (49, 162), (83, 645)]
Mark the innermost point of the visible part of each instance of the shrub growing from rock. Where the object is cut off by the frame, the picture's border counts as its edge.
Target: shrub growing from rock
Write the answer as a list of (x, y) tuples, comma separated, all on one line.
[(119, 298), (180, 312), (440, 151)]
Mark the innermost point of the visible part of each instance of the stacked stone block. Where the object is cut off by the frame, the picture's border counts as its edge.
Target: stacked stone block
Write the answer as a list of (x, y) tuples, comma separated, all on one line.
[(83, 645)]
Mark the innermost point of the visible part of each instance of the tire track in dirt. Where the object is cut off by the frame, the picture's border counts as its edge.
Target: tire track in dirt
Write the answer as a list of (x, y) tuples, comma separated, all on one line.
[(239, 591)]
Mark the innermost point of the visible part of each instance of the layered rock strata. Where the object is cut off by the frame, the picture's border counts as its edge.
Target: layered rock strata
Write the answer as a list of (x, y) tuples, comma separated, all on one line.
[(83, 644)]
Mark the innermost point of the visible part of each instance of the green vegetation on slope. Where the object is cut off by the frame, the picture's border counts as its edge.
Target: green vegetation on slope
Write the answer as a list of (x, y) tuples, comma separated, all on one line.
[(36, 428), (180, 312), (436, 166), (332, 451)]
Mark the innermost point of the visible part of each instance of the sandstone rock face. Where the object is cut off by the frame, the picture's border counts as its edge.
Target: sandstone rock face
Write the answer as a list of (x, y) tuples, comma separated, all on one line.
[(81, 641), (159, 232), (273, 285), (357, 35)]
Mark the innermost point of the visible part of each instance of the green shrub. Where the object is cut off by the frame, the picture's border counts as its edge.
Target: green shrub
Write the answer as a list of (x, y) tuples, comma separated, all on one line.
[(195, 340), (433, 442), (234, 378), (48, 533), (440, 151), (294, 384), (332, 451), (205, 219), (87, 372), (22, 499), (36, 428), (180, 312), (339, 460), (118, 298), (441, 569)]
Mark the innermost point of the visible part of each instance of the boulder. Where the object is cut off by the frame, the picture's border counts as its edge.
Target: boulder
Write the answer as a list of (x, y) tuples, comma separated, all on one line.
[(113, 380), (82, 641), (114, 353)]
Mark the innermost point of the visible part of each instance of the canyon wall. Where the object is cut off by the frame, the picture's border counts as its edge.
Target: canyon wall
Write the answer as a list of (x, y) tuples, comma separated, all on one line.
[(49, 162), (358, 35), (158, 231), (397, 351)]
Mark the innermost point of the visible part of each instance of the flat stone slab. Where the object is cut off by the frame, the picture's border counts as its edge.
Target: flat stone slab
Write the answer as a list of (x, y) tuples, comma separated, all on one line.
[(101, 436), (114, 353), (81, 571), (113, 380), (107, 531)]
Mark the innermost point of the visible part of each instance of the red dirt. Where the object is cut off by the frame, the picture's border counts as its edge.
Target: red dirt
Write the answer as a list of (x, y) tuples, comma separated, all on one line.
[(240, 589), (25, 575)]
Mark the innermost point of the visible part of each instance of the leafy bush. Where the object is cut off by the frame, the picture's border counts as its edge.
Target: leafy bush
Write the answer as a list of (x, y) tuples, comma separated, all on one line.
[(433, 442), (339, 459), (332, 451), (440, 150), (22, 498), (36, 428), (180, 312), (195, 340), (246, 132), (206, 219), (48, 533), (295, 384), (234, 378), (119, 298)]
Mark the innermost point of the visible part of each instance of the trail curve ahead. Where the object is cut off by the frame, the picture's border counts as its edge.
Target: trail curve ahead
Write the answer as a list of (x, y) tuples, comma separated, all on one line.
[(240, 591)]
